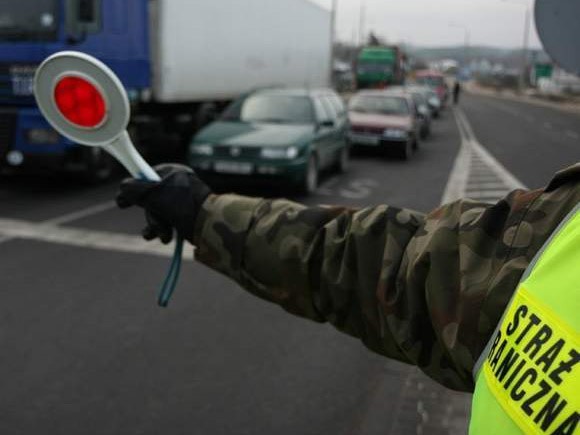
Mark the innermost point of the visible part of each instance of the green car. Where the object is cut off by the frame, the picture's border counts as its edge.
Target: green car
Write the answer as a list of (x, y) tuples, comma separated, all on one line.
[(288, 135)]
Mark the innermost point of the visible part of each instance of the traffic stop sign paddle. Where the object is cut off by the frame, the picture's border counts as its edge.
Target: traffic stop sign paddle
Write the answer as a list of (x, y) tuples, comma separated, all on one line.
[(86, 102)]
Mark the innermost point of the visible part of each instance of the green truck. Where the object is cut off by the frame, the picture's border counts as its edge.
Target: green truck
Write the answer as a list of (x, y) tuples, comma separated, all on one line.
[(379, 67)]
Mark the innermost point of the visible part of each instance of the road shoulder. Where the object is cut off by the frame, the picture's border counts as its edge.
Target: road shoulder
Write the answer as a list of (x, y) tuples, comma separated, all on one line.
[(567, 107)]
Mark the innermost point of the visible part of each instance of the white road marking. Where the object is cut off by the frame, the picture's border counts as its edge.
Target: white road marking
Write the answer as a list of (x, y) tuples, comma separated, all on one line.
[(487, 185), (52, 232), (326, 188), (81, 214), (355, 189), (486, 194), (358, 189), (485, 157), (457, 182), (71, 217), (547, 125), (476, 173), (83, 238), (572, 134)]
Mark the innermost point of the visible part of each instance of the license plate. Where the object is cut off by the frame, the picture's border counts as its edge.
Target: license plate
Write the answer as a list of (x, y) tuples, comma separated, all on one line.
[(234, 168), (362, 139)]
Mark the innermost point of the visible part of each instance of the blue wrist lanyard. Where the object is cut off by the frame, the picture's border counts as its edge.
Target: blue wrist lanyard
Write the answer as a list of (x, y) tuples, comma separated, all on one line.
[(172, 275)]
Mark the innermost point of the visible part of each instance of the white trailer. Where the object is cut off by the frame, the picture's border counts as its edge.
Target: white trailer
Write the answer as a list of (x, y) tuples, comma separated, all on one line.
[(206, 51), (218, 49), (181, 62)]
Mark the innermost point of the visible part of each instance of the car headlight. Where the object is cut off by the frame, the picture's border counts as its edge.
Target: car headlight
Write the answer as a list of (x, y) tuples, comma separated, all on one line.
[(202, 149), (395, 133), (39, 136), (279, 153)]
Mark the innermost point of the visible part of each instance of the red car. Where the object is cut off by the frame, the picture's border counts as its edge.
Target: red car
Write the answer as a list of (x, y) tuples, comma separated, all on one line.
[(384, 119), (436, 81)]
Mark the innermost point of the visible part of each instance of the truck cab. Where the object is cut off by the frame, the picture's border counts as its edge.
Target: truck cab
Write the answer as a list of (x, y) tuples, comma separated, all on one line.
[(379, 67), (31, 31)]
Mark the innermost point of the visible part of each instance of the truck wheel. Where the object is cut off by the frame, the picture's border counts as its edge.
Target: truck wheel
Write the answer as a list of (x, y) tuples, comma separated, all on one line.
[(310, 182), (99, 165)]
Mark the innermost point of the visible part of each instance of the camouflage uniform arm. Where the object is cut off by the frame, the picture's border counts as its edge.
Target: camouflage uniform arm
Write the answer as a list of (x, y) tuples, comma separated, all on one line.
[(423, 290), (323, 263)]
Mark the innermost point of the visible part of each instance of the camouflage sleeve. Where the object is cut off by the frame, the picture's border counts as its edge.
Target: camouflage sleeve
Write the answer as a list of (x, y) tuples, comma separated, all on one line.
[(425, 290)]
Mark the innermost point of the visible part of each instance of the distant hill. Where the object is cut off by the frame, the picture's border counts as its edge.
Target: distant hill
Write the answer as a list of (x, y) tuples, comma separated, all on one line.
[(505, 56), (493, 54)]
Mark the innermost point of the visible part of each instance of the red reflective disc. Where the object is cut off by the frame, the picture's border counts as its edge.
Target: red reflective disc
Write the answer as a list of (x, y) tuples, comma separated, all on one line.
[(79, 101)]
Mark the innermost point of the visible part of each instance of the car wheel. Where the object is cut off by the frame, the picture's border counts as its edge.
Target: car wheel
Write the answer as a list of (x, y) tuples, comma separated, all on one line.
[(99, 165), (406, 150), (343, 160), (310, 181)]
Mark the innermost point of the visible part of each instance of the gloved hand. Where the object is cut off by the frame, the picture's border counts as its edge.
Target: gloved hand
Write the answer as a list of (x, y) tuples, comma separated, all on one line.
[(172, 203)]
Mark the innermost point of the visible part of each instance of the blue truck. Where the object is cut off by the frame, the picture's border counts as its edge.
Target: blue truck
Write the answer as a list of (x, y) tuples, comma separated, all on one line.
[(180, 61)]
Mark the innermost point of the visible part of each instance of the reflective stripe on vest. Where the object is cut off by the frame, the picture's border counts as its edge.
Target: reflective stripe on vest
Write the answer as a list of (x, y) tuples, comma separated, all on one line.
[(528, 377)]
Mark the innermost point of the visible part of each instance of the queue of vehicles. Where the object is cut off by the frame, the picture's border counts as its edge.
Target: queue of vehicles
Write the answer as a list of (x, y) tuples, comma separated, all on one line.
[(286, 133), (288, 136), (180, 61)]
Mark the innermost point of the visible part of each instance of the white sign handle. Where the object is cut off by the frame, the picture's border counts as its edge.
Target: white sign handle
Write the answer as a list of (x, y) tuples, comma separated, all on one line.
[(124, 151)]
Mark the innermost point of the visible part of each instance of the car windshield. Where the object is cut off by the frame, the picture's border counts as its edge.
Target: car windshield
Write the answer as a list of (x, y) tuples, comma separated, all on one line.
[(268, 108), (432, 81), (366, 67), (382, 105), (27, 20)]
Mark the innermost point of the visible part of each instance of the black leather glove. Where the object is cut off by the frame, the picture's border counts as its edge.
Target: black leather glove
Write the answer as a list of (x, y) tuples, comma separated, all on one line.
[(172, 203)]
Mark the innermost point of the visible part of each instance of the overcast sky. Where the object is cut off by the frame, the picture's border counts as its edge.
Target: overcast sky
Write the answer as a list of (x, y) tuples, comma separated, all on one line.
[(438, 22)]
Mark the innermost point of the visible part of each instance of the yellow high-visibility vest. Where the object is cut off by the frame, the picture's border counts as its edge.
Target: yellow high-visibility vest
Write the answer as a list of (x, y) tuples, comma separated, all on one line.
[(528, 377)]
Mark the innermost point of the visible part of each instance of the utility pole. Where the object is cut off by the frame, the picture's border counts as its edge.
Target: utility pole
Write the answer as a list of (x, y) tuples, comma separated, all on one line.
[(527, 26), (466, 41), (361, 28), (333, 12), (526, 43)]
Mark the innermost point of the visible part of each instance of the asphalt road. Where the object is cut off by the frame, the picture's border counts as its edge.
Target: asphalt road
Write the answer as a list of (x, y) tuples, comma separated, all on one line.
[(85, 350), (533, 142)]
